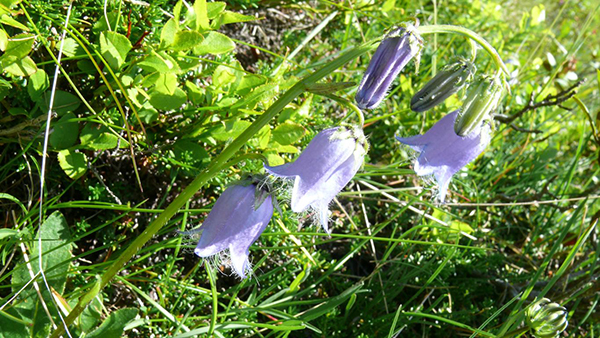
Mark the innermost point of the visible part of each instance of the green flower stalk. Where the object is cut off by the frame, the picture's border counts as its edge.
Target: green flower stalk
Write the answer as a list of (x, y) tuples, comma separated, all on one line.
[(546, 319)]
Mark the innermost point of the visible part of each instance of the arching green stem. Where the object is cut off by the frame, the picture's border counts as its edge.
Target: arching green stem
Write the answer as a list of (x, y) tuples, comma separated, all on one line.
[(431, 29), (219, 163)]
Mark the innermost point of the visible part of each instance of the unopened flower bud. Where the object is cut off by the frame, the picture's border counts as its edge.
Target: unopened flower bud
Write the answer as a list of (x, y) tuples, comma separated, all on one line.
[(445, 83), (394, 52), (483, 97), (546, 319)]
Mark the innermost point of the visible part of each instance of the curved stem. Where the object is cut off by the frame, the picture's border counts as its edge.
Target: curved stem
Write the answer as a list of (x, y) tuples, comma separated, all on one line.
[(432, 29), (219, 163)]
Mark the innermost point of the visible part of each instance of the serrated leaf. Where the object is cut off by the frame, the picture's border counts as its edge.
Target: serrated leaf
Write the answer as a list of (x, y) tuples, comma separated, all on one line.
[(215, 43), (114, 48), (288, 133), (114, 324), (72, 163), (223, 76), (65, 132), (186, 40), (164, 101), (37, 84)]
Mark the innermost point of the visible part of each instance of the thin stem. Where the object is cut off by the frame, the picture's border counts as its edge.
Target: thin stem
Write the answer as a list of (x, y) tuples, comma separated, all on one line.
[(432, 29), (216, 166), (213, 289)]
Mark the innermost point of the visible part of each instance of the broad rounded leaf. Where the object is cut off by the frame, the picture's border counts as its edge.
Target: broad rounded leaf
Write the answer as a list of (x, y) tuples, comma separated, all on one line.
[(72, 163)]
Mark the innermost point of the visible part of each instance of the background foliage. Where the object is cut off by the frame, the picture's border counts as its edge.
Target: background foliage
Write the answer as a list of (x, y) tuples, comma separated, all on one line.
[(149, 93)]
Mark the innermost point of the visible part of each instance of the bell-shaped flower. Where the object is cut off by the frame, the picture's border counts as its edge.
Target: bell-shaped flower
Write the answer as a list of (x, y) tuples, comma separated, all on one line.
[(236, 221), (323, 169), (443, 152), (393, 53)]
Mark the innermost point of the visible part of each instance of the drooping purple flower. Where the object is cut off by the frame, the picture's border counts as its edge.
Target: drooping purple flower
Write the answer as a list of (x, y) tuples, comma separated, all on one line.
[(236, 221), (443, 152), (394, 52), (323, 169)]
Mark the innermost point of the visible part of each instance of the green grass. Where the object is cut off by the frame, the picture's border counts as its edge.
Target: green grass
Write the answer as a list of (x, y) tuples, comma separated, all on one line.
[(131, 164)]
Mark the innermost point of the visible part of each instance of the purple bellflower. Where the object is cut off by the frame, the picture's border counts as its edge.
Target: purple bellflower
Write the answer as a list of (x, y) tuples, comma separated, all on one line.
[(394, 52), (236, 221), (443, 152), (323, 169)]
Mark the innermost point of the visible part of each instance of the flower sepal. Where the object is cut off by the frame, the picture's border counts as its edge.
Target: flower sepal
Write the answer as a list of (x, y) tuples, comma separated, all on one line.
[(483, 97), (445, 83)]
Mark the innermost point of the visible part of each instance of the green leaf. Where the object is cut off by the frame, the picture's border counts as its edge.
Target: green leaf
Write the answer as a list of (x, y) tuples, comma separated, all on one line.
[(56, 248), (72, 163), (190, 152), (3, 40), (91, 315), (166, 83), (273, 158), (13, 199), (23, 67), (7, 20), (331, 303), (159, 62), (288, 133), (71, 48), (114, 48), (259, 94), (215, 43), (148, 114), (195, 93), (37, 84), (164, 101), (230, 130), (4, 233), (223, 76), (5, 88), (114, 324), (64, 102), (201, 15), (186, 40), (248, 83), (167, 34), (17, 48), (214, 8), (65, 132), (98, 137), (227, 17)]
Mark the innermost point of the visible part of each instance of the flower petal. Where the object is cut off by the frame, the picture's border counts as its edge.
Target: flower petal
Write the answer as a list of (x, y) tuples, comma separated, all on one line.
[(235, 224)]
